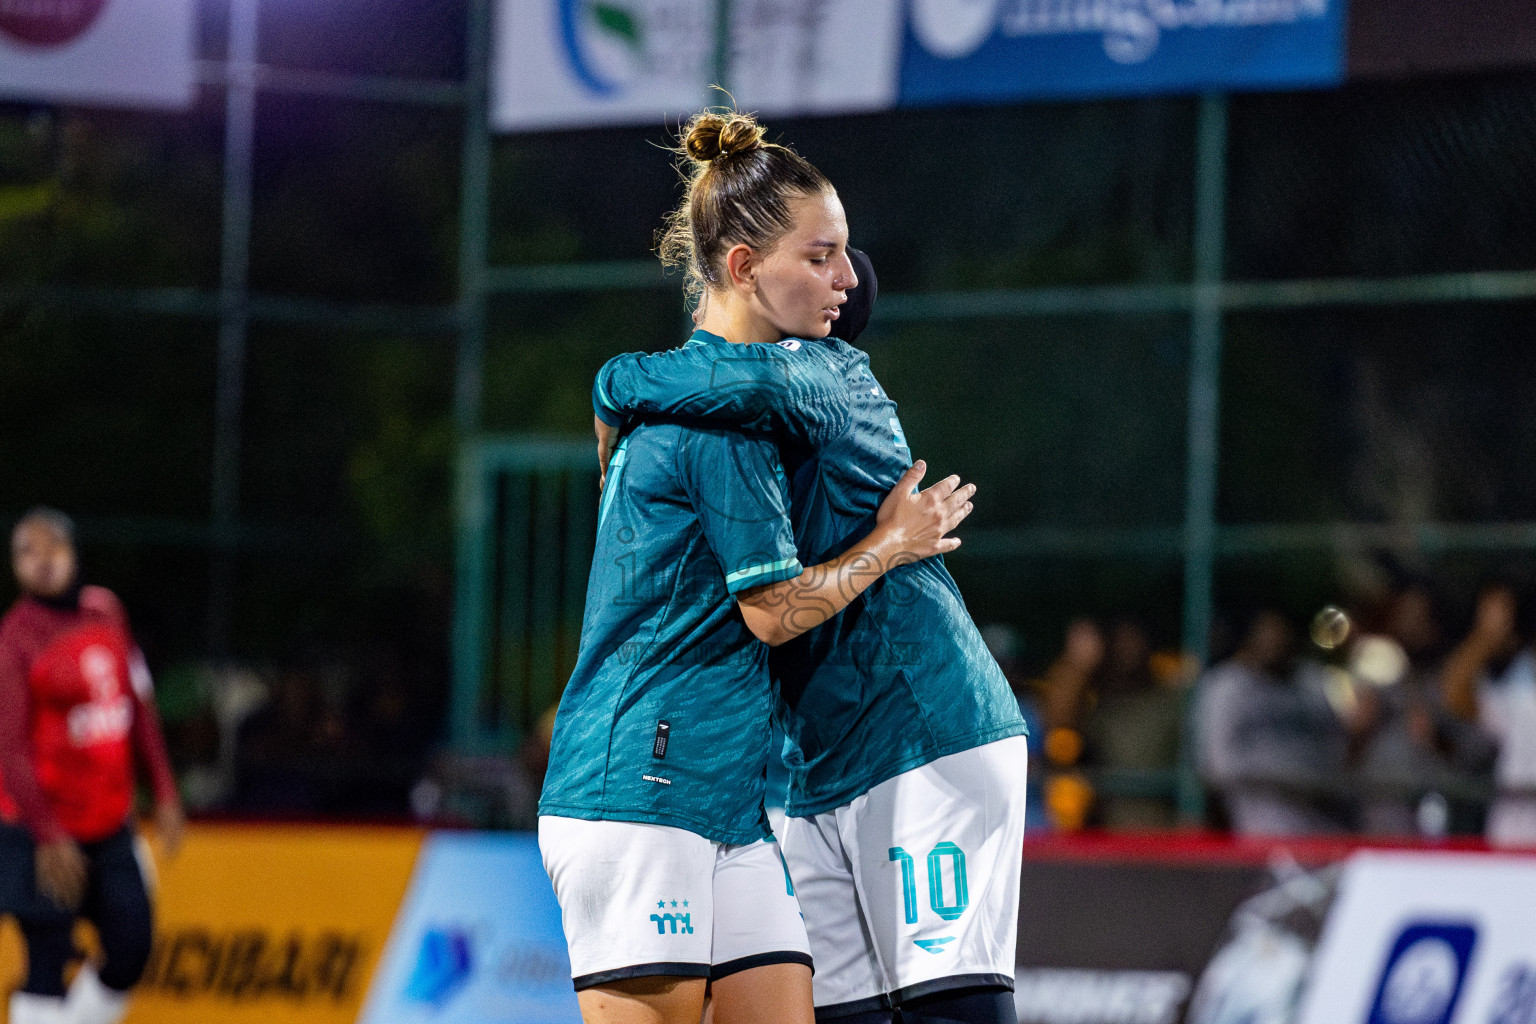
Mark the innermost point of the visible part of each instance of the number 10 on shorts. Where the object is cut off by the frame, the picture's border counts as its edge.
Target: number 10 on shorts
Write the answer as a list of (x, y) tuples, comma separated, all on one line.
[(936, 897)]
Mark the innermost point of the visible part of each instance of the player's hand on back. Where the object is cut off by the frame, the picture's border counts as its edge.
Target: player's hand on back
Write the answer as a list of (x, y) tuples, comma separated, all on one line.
[(915, 524), (61, 872)]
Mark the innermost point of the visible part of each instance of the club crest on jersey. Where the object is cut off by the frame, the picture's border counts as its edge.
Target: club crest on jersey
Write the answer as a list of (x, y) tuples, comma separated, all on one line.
[(792, 344)]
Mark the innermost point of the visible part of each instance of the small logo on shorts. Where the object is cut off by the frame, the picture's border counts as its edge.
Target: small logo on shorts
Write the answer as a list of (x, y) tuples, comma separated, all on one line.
[(673, 923), (657, 778), (663, 733)]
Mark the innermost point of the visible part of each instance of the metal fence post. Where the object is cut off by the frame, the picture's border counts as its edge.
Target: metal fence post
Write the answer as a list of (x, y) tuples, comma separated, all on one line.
[(1204, 429), (474, 231), (722, 54), (474, 220), (234, 312)]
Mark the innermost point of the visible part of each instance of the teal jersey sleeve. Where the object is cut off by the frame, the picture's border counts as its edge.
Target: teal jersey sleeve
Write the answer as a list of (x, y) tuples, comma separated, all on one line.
[(787, 389), (737, 486)]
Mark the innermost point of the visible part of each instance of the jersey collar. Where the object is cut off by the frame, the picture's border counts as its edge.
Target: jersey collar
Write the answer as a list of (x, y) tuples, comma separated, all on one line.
[(703, 337)]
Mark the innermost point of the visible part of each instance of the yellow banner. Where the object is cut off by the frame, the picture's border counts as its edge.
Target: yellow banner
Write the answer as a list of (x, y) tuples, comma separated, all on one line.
[(263, 923), (256, 924)]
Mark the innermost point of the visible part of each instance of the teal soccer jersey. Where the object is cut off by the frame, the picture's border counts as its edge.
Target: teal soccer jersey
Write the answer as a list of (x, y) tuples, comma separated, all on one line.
[(899, 678), (666, 718)]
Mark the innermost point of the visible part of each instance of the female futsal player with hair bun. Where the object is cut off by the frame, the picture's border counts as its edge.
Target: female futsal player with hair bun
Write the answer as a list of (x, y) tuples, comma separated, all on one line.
[(906, 749), (652, 825)]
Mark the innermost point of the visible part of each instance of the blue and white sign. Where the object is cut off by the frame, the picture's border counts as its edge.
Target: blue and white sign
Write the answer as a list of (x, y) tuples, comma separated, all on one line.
[(993, 50), (477, 940), (569, 63), (1423, 975), (1426, 938)]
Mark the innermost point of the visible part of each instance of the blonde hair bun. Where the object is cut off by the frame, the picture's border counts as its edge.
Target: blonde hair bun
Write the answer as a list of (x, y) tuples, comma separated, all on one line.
[(739, 189), (711, 136)]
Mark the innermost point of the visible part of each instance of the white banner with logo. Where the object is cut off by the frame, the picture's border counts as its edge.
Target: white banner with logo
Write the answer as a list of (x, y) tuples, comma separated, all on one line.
[(132, 53), (574, 63), (1428, 939)]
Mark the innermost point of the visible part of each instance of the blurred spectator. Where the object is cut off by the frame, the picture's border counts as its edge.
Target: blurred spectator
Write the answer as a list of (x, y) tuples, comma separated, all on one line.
[(1491, 680), (277, 749), (1065, 696), (1270, 740), (1003, 643), (492, 790), (1065, 689), (332, 739), (1134, 725), (1416, 746)]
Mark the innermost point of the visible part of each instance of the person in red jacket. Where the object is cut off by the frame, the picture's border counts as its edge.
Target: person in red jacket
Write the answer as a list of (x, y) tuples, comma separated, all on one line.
[(76, 710)]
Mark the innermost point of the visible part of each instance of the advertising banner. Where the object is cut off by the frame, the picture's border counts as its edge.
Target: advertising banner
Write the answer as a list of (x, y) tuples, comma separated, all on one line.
[(1428, 939), (132, 53), (332, 924), (258, 924), (1111, 933), (478, 940), (572, 63), (997, 50)]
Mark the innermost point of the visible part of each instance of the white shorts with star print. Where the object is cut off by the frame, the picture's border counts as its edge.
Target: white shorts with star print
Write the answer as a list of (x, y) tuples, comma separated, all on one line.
[(640, 900)]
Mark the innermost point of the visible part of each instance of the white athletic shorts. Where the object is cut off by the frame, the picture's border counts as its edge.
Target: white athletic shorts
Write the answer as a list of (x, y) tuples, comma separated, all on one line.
[(913, 888), (639, 900)]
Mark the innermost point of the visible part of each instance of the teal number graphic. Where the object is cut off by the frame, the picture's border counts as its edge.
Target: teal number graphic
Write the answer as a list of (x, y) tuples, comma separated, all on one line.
[(908, 882), (936, 881), (948, 912)]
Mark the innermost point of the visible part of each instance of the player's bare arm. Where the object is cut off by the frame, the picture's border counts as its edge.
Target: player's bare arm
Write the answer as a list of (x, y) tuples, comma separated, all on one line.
[(910, 525)]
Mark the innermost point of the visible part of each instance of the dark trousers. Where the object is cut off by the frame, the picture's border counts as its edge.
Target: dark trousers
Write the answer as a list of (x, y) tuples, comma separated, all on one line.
[(116, 903)]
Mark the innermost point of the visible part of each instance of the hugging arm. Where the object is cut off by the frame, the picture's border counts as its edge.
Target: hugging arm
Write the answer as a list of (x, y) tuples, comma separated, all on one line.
[(736, 484), (749, 387), (911, 525)]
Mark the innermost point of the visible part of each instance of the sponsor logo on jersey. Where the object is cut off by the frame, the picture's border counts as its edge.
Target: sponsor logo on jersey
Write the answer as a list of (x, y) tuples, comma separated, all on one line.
[(109, 714), (99, 668), (100, 721), (1423, 975), (790, 343)]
